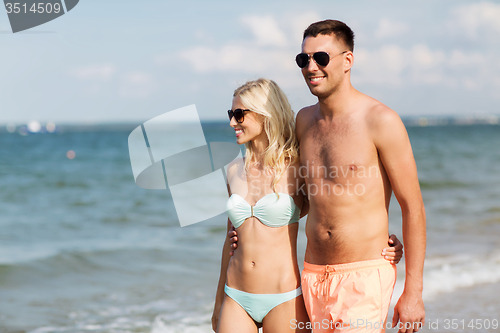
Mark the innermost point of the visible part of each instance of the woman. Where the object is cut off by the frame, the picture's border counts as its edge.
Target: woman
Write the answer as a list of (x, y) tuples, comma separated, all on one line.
[(260, 285)]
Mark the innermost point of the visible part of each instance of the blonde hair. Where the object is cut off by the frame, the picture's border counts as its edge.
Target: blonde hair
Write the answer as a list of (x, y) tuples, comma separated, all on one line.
[(265, 97)]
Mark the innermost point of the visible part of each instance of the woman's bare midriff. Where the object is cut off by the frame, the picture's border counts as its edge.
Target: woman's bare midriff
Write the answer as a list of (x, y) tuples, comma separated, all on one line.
[(265, 261)]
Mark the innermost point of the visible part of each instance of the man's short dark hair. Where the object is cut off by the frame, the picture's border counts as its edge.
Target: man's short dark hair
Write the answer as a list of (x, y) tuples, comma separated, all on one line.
[(332, 27)]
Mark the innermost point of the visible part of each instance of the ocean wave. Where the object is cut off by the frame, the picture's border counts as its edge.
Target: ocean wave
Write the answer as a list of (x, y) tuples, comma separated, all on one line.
[(442, 184), (85, 262), (462, 271), (135, 318), (118, 325), (181, 322), (451, 273)]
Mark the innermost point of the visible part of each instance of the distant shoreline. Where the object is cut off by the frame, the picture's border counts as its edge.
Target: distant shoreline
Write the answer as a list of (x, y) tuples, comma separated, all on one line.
[(409, 121)]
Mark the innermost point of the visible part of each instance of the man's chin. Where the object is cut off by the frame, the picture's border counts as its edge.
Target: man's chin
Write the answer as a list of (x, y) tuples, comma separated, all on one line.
[(316, 92)]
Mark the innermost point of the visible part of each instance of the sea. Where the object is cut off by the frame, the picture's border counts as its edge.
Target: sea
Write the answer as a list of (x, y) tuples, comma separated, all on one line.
[(84, 249)]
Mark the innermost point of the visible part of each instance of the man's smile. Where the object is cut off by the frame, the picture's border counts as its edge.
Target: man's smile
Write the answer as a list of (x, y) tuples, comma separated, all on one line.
[(316, 79)]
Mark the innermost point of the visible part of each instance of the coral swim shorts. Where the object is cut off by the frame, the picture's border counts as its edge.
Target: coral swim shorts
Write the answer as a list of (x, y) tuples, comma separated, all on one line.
[(352, 297)]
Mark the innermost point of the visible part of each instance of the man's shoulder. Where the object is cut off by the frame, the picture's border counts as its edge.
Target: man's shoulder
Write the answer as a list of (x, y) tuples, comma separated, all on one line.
[(382, 122), (306, 112), (379, 115), (304, 117), (293, 166)]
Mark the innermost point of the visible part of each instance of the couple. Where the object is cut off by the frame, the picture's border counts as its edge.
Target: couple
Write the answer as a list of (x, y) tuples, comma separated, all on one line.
[(354, 152)]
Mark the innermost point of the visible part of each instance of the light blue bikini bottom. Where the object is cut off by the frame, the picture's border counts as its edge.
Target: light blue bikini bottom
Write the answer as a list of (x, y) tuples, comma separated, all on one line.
[(258, 305)]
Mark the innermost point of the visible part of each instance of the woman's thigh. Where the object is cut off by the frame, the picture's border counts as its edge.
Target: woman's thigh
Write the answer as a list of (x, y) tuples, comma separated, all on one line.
[(290, 316), (233, 318)]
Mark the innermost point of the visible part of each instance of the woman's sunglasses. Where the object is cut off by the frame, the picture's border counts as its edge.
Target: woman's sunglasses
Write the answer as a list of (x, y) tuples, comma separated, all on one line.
[(238, 114), (321, 58)]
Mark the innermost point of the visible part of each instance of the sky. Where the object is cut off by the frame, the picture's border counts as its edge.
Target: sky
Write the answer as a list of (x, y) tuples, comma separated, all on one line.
[(129, 61)]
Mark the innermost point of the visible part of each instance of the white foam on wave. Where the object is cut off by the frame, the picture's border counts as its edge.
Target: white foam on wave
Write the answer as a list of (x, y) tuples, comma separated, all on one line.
[(450, 273), (178, 322), (130, 318), (462, 271), (11, 255), (118, 325), (48, 329), (155, 306)]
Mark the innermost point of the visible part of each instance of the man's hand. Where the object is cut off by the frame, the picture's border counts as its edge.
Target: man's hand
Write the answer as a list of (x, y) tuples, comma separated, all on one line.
[(394, 252), (233, 238), (410, 313)]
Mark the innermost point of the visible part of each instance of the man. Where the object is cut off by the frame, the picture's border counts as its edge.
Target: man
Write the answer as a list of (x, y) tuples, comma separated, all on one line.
[(356, 152)]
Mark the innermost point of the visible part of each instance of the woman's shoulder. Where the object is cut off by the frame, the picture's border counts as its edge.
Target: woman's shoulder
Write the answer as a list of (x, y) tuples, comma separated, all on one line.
[(292, 172), (235, 165), (237, 162)]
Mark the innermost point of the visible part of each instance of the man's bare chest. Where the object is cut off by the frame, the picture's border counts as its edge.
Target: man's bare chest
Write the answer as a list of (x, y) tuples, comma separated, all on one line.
[(336, 154)]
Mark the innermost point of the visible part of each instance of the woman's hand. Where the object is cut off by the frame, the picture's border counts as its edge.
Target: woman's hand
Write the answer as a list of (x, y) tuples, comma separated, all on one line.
[(215, 315), (233, 239), (394, 252)]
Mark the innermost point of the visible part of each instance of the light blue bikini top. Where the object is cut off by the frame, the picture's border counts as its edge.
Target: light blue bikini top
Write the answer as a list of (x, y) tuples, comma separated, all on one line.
[(273, 210)]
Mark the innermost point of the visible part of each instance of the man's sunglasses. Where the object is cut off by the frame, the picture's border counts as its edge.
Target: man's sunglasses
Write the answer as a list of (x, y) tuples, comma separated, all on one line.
[(238, 114), (321, 58)]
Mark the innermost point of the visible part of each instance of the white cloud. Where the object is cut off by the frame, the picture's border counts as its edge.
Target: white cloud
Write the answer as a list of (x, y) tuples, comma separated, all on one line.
[(265, 30), (496, 82), (380, 66), (471, 83), (238, 58), (387, 29), (476, 20), (459, 59), (276, 40), (94, 72), (269, 53), (269, 49), (426, 65), (423, 57), (166, 59), (205, 59), (203, 35), (137, 85), (393, 65), (295, 24)]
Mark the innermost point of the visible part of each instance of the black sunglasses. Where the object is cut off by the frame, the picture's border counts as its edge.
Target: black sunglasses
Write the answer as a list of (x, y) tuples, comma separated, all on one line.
[(238, 114), (321, 58)]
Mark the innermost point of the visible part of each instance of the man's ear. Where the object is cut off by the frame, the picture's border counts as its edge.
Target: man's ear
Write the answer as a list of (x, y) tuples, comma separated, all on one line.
[(348, 61)]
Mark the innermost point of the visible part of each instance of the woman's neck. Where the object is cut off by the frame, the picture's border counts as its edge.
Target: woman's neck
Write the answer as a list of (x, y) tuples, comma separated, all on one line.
[(259, 146)]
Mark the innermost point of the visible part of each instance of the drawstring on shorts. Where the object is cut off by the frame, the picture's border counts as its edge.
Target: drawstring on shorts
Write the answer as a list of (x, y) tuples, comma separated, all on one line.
[(325, 280)]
